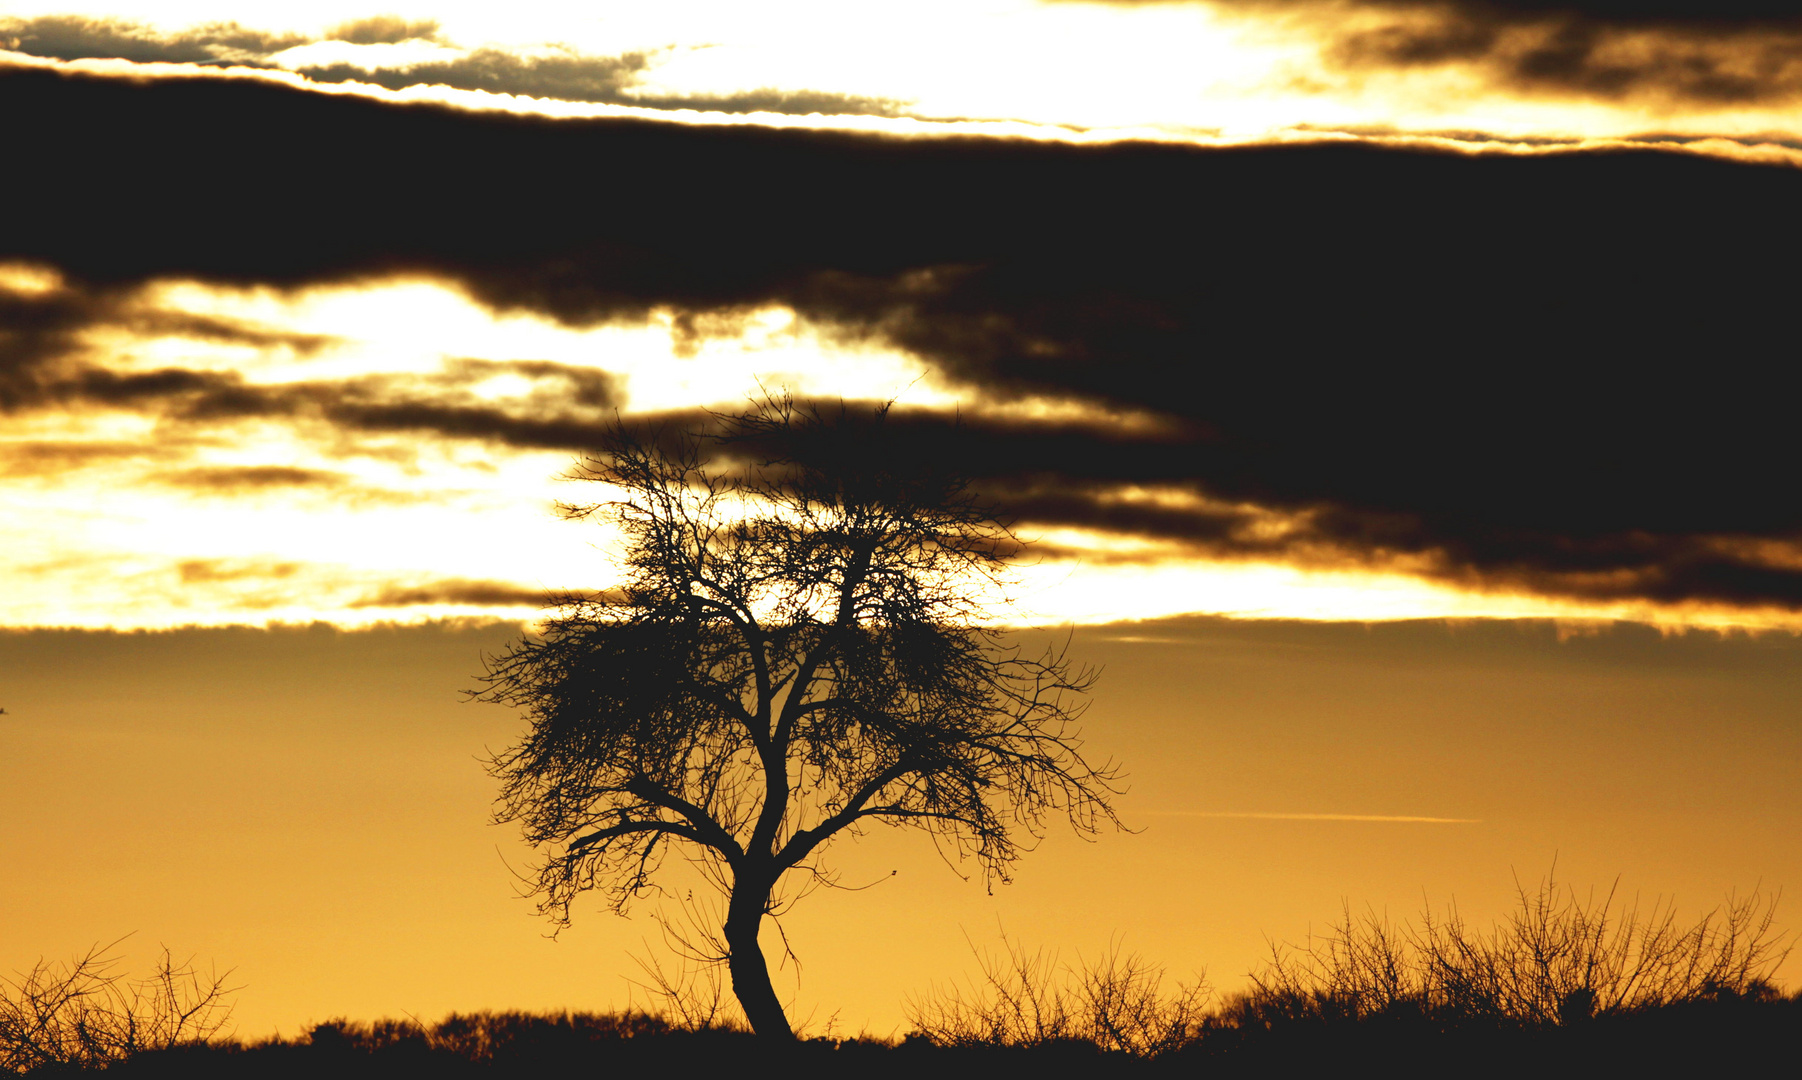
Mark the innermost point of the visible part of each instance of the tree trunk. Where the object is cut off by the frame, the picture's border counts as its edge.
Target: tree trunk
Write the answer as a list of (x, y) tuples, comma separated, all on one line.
[(750, 974)]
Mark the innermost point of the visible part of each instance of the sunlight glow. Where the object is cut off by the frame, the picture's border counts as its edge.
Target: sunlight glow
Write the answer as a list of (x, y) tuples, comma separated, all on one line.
[(1067, 70), (28, 279)]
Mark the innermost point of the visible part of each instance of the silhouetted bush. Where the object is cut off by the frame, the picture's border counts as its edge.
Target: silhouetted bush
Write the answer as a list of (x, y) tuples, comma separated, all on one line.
[(1558, 959), (1562, 987), (1027, 999), (86, 1013), (1703, 1037)]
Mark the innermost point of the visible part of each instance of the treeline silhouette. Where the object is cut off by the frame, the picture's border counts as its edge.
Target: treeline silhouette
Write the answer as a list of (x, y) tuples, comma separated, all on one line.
[(1565, 985)]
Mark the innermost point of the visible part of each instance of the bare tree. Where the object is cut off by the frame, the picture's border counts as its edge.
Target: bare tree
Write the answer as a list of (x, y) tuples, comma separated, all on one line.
[(802, 643)]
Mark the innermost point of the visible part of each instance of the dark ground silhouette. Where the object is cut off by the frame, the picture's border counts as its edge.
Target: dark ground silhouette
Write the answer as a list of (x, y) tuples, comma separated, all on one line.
[(1715, 1037), (1568, 984)]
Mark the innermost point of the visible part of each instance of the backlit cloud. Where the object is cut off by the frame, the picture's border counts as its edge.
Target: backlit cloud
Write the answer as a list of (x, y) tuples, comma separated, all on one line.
[(75, 37), (396, 53), (1674, 53)]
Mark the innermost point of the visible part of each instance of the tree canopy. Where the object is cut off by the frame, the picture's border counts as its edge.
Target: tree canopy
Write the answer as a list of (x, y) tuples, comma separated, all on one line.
[(803, 640)]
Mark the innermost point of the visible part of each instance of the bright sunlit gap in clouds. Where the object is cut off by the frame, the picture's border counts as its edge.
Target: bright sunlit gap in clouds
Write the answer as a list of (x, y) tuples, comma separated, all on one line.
[(123, 519), (1083, 64), (1191, 70)]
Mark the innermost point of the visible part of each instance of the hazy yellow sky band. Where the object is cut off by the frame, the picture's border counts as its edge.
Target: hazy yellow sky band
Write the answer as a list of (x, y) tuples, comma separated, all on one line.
[(308, 807)]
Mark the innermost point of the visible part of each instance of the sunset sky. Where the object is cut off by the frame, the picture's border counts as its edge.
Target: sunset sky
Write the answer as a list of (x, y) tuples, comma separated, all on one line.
[(1398, 396)]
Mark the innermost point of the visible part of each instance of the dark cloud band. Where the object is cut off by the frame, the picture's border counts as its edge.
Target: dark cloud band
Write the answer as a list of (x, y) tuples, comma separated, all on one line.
[(1043, 476), (454, 591), (1564, 372)]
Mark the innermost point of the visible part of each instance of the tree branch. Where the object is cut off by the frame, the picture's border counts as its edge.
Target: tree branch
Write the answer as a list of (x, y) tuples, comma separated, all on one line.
[(705, 830), (801, 844), (634, 828)]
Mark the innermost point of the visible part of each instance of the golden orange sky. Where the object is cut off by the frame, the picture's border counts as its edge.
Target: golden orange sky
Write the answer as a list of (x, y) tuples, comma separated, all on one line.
[(306, 805)]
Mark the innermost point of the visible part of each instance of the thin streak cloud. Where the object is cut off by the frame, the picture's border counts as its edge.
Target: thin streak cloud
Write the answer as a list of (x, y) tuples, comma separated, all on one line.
[(1401, 818)]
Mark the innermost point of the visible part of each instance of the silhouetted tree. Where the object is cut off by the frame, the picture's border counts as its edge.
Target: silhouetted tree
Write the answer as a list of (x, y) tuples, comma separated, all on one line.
[(801, 643)]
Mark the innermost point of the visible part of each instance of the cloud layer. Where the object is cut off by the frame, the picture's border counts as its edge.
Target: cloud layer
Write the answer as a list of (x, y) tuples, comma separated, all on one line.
[(45, 361), (1677, 53), (1550, 372), (556, 72)]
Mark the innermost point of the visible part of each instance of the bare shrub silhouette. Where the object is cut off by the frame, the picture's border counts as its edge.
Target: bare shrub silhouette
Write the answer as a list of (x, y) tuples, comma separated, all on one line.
[(1025, 998), (87, 1013), (1557, 959), (692, 990)]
